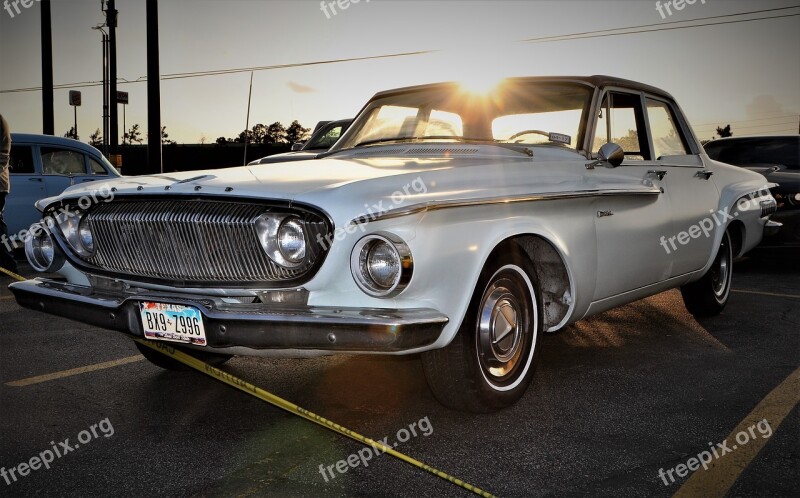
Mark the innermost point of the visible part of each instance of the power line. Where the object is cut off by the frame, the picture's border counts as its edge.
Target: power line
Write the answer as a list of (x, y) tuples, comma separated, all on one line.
[(572, 36), (614, 31)]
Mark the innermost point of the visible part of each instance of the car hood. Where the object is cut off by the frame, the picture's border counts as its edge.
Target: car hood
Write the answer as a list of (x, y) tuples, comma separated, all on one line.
[(350, 185)]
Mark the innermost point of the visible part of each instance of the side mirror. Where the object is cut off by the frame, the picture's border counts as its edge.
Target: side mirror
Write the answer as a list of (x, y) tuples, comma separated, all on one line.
[(610, 155), (297, 146)]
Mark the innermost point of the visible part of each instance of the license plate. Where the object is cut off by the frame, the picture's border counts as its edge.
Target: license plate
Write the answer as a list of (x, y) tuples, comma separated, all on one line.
[(172, 322)]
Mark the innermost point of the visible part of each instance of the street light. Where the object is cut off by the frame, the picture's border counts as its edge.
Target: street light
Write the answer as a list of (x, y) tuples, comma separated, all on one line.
[(106, 117)]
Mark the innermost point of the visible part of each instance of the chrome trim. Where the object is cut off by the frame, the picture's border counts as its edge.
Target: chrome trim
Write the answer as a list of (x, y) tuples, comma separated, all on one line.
[(187, 241), (254, 326), (487, 201), (361, 275)]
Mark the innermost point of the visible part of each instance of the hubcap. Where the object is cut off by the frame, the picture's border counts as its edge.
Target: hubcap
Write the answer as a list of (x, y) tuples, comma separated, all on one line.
[(722, 269), (501, 330)]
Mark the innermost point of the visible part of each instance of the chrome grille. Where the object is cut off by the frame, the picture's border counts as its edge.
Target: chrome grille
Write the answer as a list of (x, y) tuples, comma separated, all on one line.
[(194, 241)]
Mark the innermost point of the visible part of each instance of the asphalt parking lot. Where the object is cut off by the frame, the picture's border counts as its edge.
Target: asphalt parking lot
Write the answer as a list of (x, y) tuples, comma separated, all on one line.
[(616, 399)]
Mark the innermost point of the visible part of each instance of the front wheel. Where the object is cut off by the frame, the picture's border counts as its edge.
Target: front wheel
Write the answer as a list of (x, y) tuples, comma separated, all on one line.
[(490, 362), (709, 295)]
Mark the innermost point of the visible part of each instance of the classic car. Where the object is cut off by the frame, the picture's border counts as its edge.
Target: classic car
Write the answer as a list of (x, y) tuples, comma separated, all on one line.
[(778, 159), (325, 135), (43, 166), (447, 222)]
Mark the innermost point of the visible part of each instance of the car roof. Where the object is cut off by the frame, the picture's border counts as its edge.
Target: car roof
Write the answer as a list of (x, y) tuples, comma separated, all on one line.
[(595, 81), (51, 140), (753, 137)]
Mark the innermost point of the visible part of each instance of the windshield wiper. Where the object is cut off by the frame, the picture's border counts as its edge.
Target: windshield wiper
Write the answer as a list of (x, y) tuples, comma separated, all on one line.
[(516, 148)]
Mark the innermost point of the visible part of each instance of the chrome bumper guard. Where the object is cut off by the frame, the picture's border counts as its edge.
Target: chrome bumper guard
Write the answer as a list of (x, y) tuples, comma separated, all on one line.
[(255, 326)]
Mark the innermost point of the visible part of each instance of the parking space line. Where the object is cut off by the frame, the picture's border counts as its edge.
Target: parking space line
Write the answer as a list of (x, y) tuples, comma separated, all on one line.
[(759, 293), (722, 473), (74, 371), (6, 298)]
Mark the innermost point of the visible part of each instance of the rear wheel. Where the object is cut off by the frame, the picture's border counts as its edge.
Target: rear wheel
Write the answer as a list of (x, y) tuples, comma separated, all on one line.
[(490, 362), (709, 295), (168, 363)]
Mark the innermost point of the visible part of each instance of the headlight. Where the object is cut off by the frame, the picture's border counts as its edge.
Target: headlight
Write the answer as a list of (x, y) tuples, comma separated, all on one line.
[(292, 240), (78, 233), (283, 239), (381, 265), (40, 249)]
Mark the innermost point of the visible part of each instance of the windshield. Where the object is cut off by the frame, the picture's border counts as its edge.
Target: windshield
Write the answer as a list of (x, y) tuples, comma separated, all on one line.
[(326, 136), (525, 113)]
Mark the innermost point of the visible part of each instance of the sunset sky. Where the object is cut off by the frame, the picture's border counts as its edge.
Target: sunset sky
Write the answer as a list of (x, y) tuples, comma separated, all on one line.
[(743, 73)]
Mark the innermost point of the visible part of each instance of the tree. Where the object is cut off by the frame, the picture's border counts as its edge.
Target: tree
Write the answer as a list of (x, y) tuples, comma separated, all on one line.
[(222, 141), (165, 137), (296, 133), (72, 133), (133, 135), (276, 133), (96, 139), (259, 133), (630, 142), (245, 135), (203, 139), (724, 132)]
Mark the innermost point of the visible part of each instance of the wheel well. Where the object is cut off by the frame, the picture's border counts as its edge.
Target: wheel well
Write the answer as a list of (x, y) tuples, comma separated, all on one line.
[(736, 229), (551, 272)]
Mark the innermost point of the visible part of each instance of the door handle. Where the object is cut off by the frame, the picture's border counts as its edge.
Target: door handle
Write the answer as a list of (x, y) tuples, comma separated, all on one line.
[(34, 180), (660, 174), (704, 174)]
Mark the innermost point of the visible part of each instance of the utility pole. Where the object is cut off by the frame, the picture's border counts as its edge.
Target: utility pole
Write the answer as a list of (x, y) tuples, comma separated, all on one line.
[(48, 117), (111, 22), (154, 164), (105, 89)]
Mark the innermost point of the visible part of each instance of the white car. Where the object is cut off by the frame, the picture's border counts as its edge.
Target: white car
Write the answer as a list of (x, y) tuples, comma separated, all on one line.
[(447, 222)]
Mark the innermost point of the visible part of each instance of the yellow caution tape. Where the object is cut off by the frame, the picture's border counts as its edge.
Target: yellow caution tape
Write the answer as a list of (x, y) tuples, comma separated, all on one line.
[(12, 274), (272, 399), (288, 406)]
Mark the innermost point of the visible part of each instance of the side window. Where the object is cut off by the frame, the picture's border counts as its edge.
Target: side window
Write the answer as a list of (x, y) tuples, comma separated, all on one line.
[(62, 162), (21, 162), (97, 168), (621, 121), (667, 138)]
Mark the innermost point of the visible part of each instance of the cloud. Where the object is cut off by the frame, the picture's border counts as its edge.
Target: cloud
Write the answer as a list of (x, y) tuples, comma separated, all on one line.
[(764, 104), (298, 88)]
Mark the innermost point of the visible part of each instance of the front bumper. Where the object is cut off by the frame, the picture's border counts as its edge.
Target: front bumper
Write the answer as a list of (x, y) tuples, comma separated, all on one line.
[(249, 326)]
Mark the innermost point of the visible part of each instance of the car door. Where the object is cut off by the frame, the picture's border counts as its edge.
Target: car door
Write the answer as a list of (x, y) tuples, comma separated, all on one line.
[(27, 187), (628, 227), (693, 196)]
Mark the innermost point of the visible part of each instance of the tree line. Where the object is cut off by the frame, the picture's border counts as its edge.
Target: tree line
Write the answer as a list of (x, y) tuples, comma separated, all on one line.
[(275, 133)]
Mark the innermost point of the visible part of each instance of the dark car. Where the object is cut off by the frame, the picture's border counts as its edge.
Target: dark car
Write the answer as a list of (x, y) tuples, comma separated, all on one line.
[(778, 159), (325, 135)]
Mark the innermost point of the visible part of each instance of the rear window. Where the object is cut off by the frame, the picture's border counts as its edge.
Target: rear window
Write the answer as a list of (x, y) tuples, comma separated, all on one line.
[(750, 151)]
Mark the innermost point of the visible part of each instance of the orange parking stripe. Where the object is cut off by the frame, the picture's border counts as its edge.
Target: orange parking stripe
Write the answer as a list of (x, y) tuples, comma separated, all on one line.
[(74, 371)]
